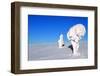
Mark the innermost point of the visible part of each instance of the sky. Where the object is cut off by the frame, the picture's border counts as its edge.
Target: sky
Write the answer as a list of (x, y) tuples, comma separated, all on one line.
[(47, 28)]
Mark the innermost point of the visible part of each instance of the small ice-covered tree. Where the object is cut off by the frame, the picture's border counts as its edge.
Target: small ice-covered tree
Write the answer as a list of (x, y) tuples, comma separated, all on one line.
[(74, 35), (61, 41)]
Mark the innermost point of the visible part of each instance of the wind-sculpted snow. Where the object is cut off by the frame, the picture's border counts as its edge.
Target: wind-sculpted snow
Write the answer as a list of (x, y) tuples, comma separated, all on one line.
[(74, 35)]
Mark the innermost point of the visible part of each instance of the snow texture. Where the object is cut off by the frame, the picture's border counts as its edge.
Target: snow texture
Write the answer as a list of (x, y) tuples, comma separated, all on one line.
[(74, 35), (61, 41)]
